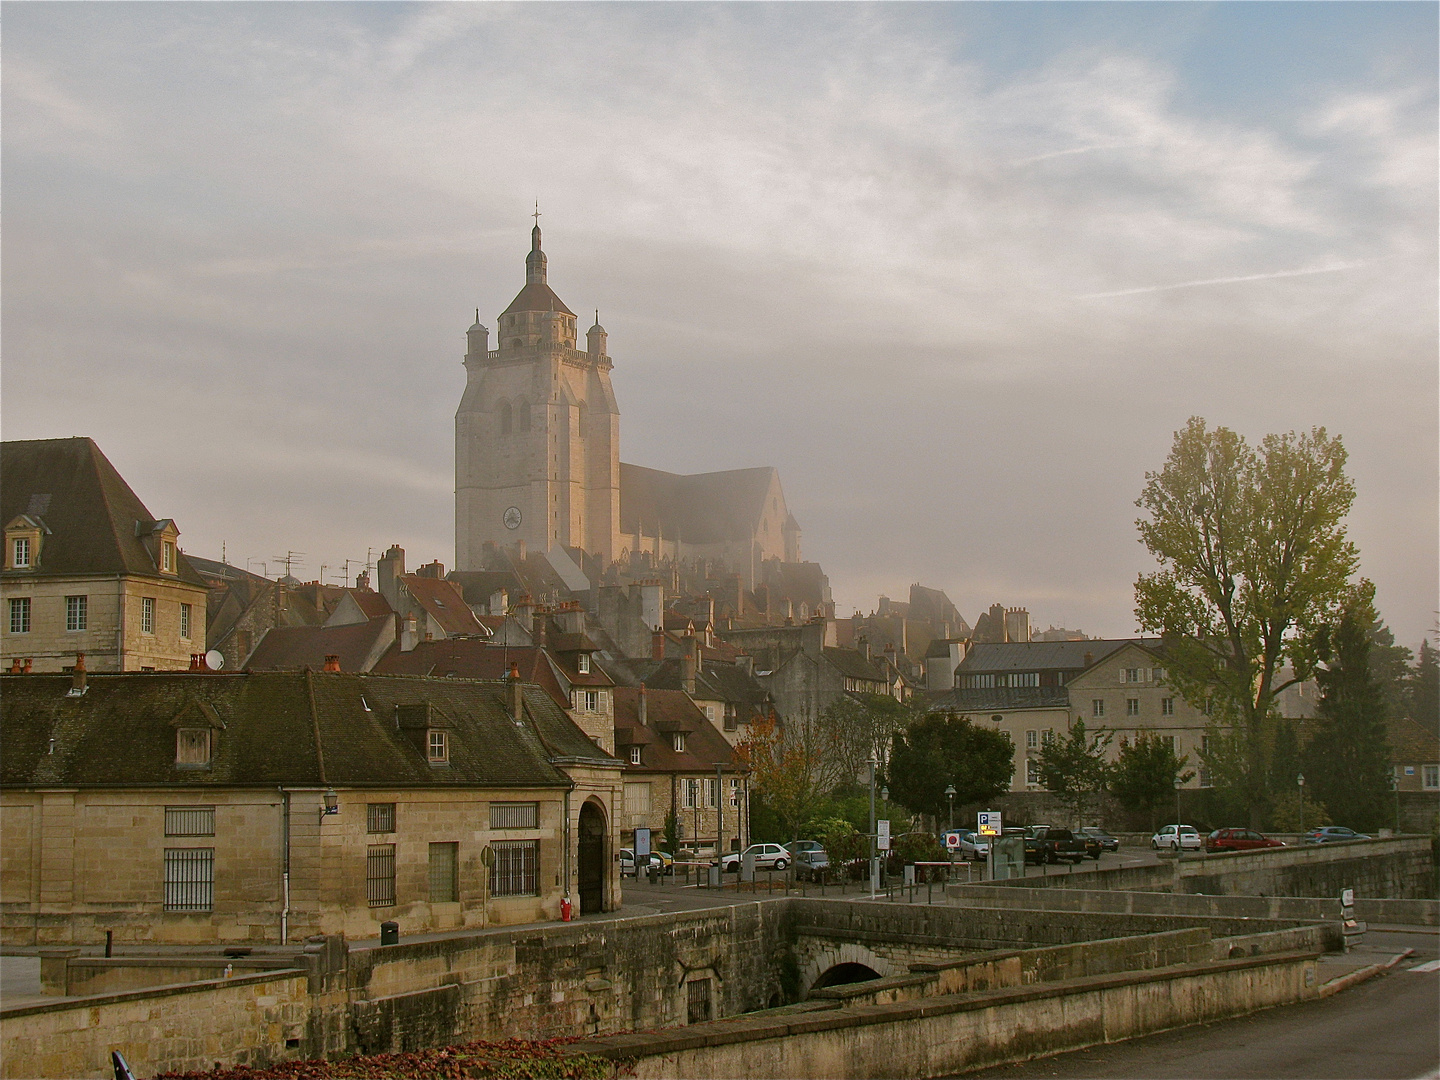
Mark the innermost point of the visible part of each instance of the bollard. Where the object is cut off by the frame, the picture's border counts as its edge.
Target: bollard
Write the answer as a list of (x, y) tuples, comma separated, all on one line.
[(109, 943), (390, 933)]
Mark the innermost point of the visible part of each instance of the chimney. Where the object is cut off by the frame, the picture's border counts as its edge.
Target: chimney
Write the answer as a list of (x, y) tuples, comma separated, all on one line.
[(1089, 658), (516, 697), (862, 646), (409, 634), (524, 611), (642, 709), (15, 666), (687, 665), (362, 581), (27, 665), (77, 677), (540, 628), (194, 661), (332, 662), (657, 645), (434, 570)]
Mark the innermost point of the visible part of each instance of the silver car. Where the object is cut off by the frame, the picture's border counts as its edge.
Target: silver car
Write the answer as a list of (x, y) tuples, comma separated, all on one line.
[(767, 857), (973, 846)]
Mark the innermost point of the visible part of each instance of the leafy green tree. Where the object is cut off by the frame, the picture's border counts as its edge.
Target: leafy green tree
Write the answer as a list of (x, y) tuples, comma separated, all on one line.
[(1073, 768), (1347, 762), (856, 726), (1423, 690), (1254, 561), (1286, 761), (1144, 774), (943, 749)]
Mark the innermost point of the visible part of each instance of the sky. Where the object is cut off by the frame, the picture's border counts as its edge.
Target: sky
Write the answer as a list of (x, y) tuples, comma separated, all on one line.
[(958, 271)]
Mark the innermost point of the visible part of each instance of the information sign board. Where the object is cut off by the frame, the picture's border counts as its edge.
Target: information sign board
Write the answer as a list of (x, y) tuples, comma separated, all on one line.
[(988, 823), (882, 835)]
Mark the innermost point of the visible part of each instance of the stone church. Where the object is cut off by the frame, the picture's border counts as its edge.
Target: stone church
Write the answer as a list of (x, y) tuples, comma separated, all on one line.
[(537, 457)]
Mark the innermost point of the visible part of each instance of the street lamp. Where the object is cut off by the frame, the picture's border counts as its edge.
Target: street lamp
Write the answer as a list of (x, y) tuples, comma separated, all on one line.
[(1300, 782), (873, 874), (1179, 848), (331, 806), (950, 794)]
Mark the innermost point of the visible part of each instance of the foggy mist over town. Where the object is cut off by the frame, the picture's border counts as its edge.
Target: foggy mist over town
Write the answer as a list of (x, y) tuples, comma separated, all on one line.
[(957, 272)]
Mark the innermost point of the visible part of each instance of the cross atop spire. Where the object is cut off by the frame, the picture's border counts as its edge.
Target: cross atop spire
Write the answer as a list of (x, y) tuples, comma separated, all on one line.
[(536, 215)]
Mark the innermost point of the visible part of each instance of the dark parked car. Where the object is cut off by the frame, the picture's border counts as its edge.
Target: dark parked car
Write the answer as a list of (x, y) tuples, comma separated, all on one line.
[(1048, 843), (1239, 840), (812, 864), (1330, 834), (1107, 842)]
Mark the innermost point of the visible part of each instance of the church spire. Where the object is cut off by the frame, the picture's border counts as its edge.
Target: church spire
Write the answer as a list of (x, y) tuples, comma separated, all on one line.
[(535, 261)]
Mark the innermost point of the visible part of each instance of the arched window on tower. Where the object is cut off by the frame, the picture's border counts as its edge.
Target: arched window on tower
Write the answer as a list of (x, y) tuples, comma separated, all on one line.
[(522, 415), (505, 418)]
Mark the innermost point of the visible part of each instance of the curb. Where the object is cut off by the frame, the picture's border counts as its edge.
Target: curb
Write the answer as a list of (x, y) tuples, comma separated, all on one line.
[(1344, 982)]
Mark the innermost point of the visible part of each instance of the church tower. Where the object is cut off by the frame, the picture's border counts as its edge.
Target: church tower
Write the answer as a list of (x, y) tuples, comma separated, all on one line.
[(537, 434)]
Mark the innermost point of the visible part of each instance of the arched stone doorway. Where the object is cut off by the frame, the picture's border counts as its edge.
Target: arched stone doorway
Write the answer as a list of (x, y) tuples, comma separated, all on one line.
[(592, 858), (841, 974)]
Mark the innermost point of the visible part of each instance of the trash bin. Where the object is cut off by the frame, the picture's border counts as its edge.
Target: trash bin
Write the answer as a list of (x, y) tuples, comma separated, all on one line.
[(389, 933)]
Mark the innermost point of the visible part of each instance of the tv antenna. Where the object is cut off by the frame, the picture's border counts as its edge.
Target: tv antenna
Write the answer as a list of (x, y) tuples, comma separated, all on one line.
[(290, 558)]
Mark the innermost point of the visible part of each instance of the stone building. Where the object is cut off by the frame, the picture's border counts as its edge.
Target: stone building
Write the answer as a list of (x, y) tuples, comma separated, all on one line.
[(262, 808), (671, 751), (537, 458), (87, 568)]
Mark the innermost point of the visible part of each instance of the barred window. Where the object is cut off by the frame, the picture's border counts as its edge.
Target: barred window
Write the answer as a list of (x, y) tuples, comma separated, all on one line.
[(77, 614), (189, 821), (380, 875), (515, 815), (443, 861), (189, 879), (517, 868), (697, 1004), (380, 817)]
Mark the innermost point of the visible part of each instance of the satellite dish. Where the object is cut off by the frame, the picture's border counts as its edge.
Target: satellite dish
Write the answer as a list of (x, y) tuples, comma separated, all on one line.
[(214, 659)]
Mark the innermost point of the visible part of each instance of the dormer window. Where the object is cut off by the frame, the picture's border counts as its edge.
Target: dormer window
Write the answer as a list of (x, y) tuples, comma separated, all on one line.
[(167, 556), (438, 747), (582, 664), (677, 740), (20, 553), (634, 755), (192, 746)]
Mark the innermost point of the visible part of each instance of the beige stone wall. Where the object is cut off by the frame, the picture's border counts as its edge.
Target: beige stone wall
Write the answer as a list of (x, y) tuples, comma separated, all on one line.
[(245, 1020), (75, 864), (111, 603), (694, 821)]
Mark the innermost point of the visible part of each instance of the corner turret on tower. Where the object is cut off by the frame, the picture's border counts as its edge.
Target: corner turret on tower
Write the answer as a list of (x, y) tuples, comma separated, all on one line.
[(596, 338), (477, 340)]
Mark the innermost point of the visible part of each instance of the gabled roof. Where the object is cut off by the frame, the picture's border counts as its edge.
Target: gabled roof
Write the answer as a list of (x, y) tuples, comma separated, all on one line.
[(471, 658), (443, 602), (279, 728), (295, 648), (668, 711), (999, 699), (89, 511), (703, 508)]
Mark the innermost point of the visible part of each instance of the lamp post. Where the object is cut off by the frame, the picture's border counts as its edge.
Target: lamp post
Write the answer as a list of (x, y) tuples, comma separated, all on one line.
[(1395, 787), (950, 794), (1300, 783), (873, 874), (331, 804), (1179, 847)]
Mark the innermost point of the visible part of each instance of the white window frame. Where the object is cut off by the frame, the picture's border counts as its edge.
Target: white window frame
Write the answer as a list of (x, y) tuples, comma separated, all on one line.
[(1032, 740), (437, 746), (1167, 706), (147, 615), (582, 663), (1097, 707), (1132, 706), (77, 613), (167, 556), (20, 615), (634, 755), (1431, 777), (187, 614), (17, 560)]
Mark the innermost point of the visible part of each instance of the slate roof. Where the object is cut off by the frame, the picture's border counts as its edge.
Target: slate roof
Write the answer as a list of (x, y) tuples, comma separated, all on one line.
[(278, 728), (668, 711), (718, 682), (703, 508), (852, 664), (999, 699), (1041, 655), (295, 648), (89, 510), (471, 658)]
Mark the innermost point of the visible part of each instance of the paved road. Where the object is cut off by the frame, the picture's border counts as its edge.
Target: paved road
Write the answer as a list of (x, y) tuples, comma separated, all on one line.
[(1388, 1027)]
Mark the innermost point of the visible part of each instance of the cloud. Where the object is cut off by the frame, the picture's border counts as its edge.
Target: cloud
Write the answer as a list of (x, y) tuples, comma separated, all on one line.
[(842, 240)]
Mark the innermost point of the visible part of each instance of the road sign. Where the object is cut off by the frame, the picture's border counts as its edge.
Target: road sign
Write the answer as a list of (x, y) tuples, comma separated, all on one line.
[(988, 823), (642, 844), (882, 835), (952, 841)]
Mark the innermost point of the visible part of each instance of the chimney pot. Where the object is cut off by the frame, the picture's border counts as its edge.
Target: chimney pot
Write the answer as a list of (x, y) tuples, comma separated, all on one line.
[(332, 662), (516, 694), (27, 665), (77, 676)]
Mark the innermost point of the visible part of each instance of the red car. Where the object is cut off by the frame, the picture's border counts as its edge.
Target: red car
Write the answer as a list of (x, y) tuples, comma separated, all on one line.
[(1239, 840)]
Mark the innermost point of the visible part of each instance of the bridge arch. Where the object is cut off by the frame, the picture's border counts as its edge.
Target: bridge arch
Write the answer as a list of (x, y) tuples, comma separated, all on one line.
[(844, 963)]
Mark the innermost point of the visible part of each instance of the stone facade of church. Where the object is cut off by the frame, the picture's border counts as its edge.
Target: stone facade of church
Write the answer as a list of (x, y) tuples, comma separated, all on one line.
[(537, 458)]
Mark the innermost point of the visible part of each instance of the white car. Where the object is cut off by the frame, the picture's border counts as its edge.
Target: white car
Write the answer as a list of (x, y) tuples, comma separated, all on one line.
[(1166, 838), (767, 857), (973, 846)]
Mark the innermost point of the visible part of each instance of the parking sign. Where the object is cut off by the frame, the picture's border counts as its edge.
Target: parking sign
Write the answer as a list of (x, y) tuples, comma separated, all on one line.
[(988, 823)]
